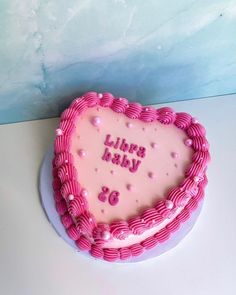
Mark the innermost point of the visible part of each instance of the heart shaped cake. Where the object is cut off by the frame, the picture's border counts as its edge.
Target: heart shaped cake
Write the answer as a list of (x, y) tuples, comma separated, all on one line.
[(126, 176)]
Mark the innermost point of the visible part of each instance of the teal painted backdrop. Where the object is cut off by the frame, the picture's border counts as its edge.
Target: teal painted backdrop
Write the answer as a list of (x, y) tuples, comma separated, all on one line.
[(150, 51)]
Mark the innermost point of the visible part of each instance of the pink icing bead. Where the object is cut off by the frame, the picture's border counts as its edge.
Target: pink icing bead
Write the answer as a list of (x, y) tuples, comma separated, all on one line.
[(129, 187), (188, 142), (194, 120), (71, 197), (129, 125), (151, 175), (84, 193), (114, 198), (154, 145), (96, 121), (106, 235), (100, 95), (59, 132), (82, 153), (174, 155), (169, 204)]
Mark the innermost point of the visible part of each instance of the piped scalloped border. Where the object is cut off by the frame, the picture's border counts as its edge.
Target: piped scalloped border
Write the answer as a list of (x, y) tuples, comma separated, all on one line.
[(72, 205)]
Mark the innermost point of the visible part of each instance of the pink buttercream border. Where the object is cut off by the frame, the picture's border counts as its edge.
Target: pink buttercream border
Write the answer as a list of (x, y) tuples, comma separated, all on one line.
[(80, 224)]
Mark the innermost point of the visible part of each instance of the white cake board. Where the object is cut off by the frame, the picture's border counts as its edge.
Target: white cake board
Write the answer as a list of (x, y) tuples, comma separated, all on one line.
[(48, 203)]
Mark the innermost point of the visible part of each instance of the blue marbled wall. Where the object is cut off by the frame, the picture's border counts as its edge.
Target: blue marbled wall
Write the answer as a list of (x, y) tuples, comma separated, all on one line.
[(151, 51)]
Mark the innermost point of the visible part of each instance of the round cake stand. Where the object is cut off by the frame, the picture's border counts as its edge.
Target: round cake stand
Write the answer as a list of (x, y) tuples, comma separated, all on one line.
[(48, 203)]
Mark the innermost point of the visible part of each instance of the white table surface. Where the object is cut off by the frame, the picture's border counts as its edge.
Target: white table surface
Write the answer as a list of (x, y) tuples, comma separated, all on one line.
[(34, 260)]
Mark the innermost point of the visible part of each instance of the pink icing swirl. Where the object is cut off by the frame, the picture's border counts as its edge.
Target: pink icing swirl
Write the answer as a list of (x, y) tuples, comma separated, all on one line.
[(66, 220), (151, 217), (195, 170), (56, 184), (148, 114), (173, 226), (61, 207), (111, 254), (162, 236), (77, 206), (125, 253), (86, 222), (183, 216), (73, 233), (165, 115), (196, 130), (54, 172), (200, 194), (133, 111), (70, 187), (106, 100), (79, 105), (200, 144), (149, 243), (119, 229), (96, 251), (204, 182), (67, 126), (119, 105), (192, 205), (67, 172), (61, 144), (63, 158), (201, 158), (91, 98), (57, 195), (136, 249), (83, 243), (137, 225), (69, 114), (183, 120), (162, 209)]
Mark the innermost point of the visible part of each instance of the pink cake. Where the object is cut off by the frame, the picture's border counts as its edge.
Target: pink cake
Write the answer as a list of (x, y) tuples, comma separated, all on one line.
[(126, 176)]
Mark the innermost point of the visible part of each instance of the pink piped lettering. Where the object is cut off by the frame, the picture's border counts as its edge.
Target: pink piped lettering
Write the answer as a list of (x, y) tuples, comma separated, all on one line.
[(107, 155), (124, 146), (135, 165), (116, 159), (107, 141), (125, 162), (132, 148), (117, 143), (141, 152)]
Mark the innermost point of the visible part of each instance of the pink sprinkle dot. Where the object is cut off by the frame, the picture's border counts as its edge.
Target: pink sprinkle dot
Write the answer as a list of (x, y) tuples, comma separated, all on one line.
[(96, 121), (82, 153), (106, 235), (169, 204), (59, 132), (71, 197), (129, 187), (174, 155), (96, 169), (151, 175), (112, 171), (146, 109), (143, 128), (84, 193), (154, 145), (188, 142), (129, 125), (194, 120), (100, 95)]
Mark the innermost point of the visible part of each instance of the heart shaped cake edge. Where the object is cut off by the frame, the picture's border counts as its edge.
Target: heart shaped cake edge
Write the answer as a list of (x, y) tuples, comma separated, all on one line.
[(71, 201)]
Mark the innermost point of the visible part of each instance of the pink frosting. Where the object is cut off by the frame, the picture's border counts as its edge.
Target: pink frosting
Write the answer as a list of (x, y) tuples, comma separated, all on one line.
[(173, 225), (67, 172), (91, 98), (57, 195), (67, 126), (61, 207), (149, 243), (119, 105), (63, 158), (86, 222), (66, 220), (165, 115), (77, 206), (69, 114), (136, 249), (56, 184), (54, 172), (119, 229), (201, 158), (183, 216), (83, 243), (148, 114), (183, 120), (70, 187), (151, 217), (96, 251), (162, 209), (200, 194), (163, 235), (137, 225), (134, 110), (73, 233), (196, 130), (106, 100), (195, 169), (61, 144), (79, 105), (111, 254), (125, 253), (200, 144), (192, 205)]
